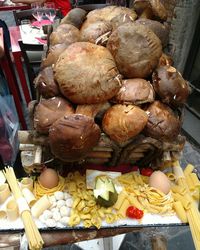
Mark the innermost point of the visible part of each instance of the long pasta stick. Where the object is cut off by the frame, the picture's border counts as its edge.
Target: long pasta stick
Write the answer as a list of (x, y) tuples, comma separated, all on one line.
[(33, 235), (193, 214), (194, 233), (192, 220)]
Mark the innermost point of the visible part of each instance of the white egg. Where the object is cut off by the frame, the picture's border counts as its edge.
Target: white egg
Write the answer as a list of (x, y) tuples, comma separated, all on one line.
[(160, 181)]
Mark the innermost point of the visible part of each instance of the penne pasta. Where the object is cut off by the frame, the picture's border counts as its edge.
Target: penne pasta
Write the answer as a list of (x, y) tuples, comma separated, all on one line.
[(123, 208), (188, 170), (86, 196), (183, 199), (40, 206), (196, 194), (134, 202), (178, 189), (77, 175), (179, 209), (190, 182), (195, 180), (120, 200), (137, 178), (29, 196)]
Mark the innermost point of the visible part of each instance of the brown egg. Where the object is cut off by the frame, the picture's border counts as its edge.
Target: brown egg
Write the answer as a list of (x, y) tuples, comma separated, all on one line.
[(49, 178), (159, 181)]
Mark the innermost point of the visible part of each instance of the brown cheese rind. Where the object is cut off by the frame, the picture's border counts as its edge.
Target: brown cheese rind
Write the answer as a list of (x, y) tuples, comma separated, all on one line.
[(136, 50), (107, 14), (50, 110), (93, 32), (170, 85), (162, 122), (46, 84), (73, 137), (123, 122), (135, 91), (75, 17), (161, 30), (87, 74), (65, 33), (53, 54)]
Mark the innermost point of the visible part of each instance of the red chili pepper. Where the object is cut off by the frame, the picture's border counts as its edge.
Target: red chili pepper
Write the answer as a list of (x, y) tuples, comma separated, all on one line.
[(134, 213), (146, 171)]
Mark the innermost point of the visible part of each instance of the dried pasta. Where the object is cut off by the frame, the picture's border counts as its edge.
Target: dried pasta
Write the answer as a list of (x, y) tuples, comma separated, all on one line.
[(190, 183), (180, 211), (192, 212), (123, 208), (184, 199), (178, 189), (34, 238), (171, 176), (143, 197), (195, 180), (188, 170), (85, 208), (120, 200)]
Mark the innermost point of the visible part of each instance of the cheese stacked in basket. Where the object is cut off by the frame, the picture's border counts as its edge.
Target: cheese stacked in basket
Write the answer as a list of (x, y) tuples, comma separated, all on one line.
[(108, 93)]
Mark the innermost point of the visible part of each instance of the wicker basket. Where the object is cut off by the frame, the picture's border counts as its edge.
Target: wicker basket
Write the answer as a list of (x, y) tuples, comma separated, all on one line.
[(142, 151)]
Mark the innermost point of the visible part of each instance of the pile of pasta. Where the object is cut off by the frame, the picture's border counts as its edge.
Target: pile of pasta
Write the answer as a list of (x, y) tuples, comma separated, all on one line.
[(135, 192), (139, 194), (186, 193), (84, 208), (72, 203)]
